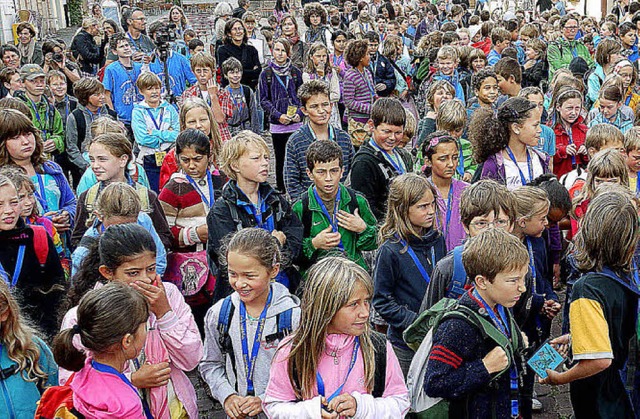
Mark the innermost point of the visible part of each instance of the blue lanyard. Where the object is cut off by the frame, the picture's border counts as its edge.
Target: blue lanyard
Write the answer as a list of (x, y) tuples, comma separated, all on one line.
[(286, 87), (532, 265), (212, 198), (155, 123), (449, 210), (417, 262), (249, 361), (570, 136), (372, 89), (337, 61), (110, 370), (17, 269), (136, 45), (42, 195), (398, 165), (633, 285), (354, 357), (628, 100), (45, 127), (333, 218), (331, 133), (460, 160), (257, 211), (523, 179), (502, 324)]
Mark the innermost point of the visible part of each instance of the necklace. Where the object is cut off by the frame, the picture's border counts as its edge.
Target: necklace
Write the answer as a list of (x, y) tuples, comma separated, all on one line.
[(333, 354)]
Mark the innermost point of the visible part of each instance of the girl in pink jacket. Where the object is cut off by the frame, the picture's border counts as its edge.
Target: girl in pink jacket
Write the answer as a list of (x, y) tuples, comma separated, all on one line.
[(126, 253), (112, 324), (334, 366)]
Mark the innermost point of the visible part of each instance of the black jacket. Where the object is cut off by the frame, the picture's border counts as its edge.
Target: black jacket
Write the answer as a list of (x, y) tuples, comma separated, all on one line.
[(39, 289), (224, 220), (248, 56), (383, 73), (536, 74), (371, 175), (90, 55)]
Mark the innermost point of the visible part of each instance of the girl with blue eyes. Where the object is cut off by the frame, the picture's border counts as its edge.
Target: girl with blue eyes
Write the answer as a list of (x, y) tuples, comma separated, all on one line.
[(126, 253)]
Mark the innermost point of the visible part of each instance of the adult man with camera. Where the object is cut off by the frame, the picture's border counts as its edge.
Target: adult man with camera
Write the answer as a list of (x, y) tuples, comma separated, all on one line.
[(141, 44), (177, 66), (83, 46), (55, 58)]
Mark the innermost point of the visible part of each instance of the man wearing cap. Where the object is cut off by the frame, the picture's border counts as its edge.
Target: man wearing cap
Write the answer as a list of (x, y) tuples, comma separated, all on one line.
[(44, 115)]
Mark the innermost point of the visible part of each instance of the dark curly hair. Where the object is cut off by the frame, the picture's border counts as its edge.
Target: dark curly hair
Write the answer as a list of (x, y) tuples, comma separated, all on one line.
[(314, 9), (489, 130), (355, 51), (480, 76)]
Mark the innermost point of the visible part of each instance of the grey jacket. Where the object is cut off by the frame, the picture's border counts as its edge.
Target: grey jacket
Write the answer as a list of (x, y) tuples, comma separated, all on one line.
[(75, 150), (216, 369)]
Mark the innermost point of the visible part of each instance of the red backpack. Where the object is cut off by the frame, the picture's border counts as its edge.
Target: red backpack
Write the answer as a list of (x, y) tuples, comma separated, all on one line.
[(40, 243), (57, 403)]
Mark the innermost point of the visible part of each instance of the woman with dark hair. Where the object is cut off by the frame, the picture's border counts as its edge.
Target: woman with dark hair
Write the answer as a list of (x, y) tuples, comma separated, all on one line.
[(235, 45), (289, 30), (315, 17), (30, 50)]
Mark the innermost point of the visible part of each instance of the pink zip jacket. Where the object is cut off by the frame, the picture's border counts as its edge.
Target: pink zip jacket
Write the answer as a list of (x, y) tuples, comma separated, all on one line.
[(280, 400), (173, 338), (102, 395)]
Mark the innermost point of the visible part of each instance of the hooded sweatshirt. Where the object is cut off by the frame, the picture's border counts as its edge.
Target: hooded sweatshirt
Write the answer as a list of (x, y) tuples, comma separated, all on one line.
[(154, 129), (216, 368)]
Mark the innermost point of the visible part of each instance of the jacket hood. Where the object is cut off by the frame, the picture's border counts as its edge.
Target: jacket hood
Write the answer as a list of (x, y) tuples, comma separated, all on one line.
[(281, 301), (143, 104), (232, 193)]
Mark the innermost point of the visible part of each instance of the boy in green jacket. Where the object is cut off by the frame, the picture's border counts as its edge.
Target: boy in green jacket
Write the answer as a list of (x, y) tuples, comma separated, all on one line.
[(336, 219)]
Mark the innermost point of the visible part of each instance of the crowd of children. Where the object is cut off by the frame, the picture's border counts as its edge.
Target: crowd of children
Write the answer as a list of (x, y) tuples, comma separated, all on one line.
[(370, 210)]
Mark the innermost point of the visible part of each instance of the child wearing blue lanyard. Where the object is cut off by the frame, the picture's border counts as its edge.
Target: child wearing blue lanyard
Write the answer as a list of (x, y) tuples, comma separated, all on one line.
[(411, 247), (112, 323), (186, 200), (155, 125), (476, 376), (248, 200), (254, 316), (380, 159), (441, 156), (539, 304), (504, 141), (335, 365)]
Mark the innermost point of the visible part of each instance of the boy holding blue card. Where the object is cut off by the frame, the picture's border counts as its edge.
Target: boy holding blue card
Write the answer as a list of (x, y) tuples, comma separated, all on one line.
[(335, 218), (478, 377)]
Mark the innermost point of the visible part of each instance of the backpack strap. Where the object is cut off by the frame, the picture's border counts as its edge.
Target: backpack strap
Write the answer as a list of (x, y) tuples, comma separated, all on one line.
[(353, 200), (90, 200), (224, 322), (379, 342), (235, 216), (306, 215), (143, 194), (81, 126), (40, 243), (283, 320), (459, 274)]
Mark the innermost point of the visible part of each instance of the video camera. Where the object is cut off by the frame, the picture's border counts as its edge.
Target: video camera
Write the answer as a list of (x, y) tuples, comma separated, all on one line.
[(164, 36)]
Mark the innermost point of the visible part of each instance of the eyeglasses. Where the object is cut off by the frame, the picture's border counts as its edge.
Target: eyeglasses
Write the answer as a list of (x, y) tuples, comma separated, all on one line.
[(499, 223), (571, 28)]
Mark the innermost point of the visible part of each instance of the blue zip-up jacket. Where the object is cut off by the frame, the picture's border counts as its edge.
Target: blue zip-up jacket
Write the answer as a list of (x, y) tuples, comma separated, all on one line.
[(19, 396), (144, 220), (398, 284), (67, 200)]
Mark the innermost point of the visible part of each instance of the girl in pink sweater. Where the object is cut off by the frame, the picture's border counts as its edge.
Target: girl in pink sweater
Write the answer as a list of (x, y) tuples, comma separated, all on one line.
[(335, 366), (112, 324)]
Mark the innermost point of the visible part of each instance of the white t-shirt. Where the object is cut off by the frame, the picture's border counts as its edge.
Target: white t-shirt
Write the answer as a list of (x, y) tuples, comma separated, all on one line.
[(513, 174)]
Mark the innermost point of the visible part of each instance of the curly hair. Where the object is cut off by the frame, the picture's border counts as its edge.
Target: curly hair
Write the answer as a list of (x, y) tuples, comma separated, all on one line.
[(489, 131), (355, 51), (314, 9), (480, 76)]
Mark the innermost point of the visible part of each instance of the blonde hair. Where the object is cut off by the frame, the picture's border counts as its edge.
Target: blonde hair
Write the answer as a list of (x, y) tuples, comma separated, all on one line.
[(493, 251), (530, 200), (118, 199), (147, 80), (205, 60), (600, 135), (632, 139), (447, 51), (608, 233), (106, 125), (451, 116), (19, 338), (410, 125), (328, 288), (214, 134), (236, 147), (405, 190), (605, 164)]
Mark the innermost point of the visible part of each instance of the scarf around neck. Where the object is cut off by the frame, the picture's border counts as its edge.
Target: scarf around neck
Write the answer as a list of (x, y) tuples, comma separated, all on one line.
[(26, 52), (281, 70)]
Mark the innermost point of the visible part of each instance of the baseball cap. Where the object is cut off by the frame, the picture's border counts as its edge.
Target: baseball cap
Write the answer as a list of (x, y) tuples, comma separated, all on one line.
[(31, 71)]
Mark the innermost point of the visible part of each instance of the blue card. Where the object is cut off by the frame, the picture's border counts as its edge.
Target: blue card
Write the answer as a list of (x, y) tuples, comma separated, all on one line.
[(545, 358)]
